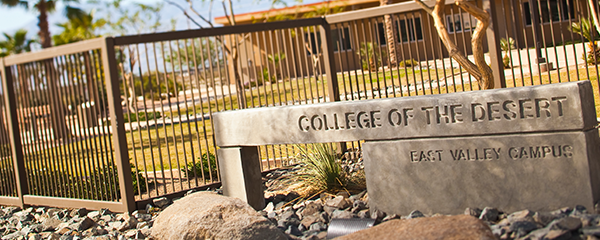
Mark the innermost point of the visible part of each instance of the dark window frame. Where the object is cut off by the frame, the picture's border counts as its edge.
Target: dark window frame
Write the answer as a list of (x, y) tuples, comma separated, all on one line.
[(567, 10), (407, 30)]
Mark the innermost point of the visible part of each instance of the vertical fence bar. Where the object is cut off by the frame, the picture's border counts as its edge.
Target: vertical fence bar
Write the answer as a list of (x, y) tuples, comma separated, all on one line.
[(330, 71), (493, 39), (15, 137), (111, 75)]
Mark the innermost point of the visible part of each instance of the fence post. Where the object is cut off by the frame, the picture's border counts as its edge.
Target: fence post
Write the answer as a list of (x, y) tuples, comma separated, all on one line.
[(493, 39), (330, 71), (111, 77), (14, 134)]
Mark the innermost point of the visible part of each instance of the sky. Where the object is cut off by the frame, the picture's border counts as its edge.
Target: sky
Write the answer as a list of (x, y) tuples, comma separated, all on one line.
[(12, 19)]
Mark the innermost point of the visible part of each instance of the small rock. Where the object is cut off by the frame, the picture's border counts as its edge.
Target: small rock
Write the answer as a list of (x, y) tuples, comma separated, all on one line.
[(592, 231), (341, 214), (358, 205), (390, 217), (312, 208), (415, 214), (544, 218), (567, 223), (556, 234), (161, 202), (128, 223), (94, 215), (523, 228), (578, 210), (364, 213), (339, 202), (84, 224), (293, 230), (318, 226), (269, 208), (377, 215), (343, 194), (475, 212), (80, 212), (308, 220), (489, 214), (524, 215)]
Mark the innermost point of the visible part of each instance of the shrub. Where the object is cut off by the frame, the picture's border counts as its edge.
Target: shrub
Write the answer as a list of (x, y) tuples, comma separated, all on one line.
[(370, 58), (507, 45), (141, 116), (408, 63), (58, 183), (206, 164), (321, 169)]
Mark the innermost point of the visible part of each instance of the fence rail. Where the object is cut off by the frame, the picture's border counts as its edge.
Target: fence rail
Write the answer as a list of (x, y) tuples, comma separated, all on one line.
[(115, 122)]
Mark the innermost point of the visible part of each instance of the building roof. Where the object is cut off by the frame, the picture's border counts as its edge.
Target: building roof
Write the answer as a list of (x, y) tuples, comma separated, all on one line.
[(246, 18)]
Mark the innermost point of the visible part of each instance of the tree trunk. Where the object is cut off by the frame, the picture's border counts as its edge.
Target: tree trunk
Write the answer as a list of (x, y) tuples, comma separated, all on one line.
[(390, 35), (57, 108), (44, 32)]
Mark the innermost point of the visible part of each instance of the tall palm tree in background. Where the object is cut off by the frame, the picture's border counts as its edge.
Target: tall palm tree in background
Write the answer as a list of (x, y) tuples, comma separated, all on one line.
[(80, 26), (15, 44), (43, 7), (390, 35)]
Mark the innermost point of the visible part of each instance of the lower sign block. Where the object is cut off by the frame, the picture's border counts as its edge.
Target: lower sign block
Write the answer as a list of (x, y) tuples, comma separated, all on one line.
[(539, 172)]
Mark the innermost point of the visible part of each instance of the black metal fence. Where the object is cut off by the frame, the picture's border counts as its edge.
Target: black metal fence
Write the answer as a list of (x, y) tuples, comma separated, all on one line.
[(111, 122)]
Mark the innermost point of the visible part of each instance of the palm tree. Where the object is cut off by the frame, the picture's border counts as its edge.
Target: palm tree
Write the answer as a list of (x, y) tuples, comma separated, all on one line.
[(15, 44), (507, 45), (390, 34), (585, 29), (80, 26), (43, 7)]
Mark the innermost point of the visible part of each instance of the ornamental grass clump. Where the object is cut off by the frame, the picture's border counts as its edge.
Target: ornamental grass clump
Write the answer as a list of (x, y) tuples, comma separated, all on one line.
[(321, 171)]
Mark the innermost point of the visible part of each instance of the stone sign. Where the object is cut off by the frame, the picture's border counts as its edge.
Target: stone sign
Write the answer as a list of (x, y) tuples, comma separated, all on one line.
[(526, 109), (516, 148), (511, 172)]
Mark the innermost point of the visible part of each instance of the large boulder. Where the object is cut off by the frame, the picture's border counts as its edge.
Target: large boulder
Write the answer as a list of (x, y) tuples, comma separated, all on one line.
[(442, 227), (206, 215)]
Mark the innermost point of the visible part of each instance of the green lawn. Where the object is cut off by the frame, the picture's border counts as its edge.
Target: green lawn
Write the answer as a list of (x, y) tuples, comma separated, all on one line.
[(171, 146)]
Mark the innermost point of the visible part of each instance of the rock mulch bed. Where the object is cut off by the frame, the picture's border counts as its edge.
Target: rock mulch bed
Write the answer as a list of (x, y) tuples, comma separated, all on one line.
[(298, 218)]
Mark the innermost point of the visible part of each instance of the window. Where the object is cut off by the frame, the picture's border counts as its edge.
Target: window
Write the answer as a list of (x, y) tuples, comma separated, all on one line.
[(457, 22), (409, 30), (564, 7), (341, 38)]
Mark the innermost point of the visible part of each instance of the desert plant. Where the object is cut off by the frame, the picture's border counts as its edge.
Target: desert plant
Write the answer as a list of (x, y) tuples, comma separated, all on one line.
[(408, 63), (205, 166), (141, 116), (506, 45), (370, 58), (585, 29), (275, 59), (321, 169), (64, 184)]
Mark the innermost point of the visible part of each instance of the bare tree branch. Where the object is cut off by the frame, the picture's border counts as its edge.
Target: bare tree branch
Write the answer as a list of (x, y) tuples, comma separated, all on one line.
[(184, 13), (480, 70), (226, 14), (231, 12), (477, 42)]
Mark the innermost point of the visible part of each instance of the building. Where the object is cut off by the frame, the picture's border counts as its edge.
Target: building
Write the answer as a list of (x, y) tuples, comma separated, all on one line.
[(415, 35)]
